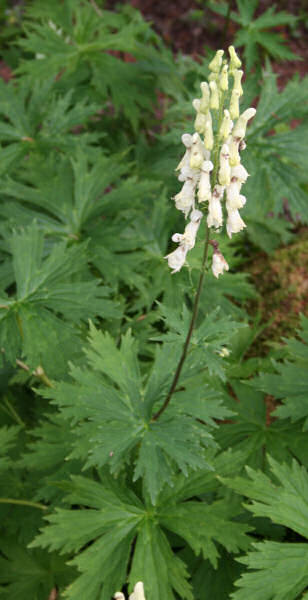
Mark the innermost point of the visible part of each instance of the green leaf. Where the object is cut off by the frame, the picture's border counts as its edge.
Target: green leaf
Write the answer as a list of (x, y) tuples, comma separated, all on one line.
[(47, 288), (290, 384), (182, 519), (272, 579), (157, 566), (8, 437), (30, 574), (110, 521), (284, 502)]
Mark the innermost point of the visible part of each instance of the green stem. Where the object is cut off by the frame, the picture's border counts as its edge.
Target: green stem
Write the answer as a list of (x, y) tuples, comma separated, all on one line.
[(23, 503), (19, 324), (190, 330), (12, 412)]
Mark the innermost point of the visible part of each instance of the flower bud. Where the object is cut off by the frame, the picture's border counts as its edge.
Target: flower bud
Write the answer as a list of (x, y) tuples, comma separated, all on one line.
[(208, 133), (239, 129), (226, 126), (235, 62), (224, 174), (205, 100), (216, 63), (204, 190), (197, 149), (214, 100), (237, 81), (223, 80), (235, 158), (224, 352), (235, 104)]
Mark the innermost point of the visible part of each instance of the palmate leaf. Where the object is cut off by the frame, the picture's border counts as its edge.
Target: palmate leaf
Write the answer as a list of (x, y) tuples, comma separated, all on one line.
[(248, 430), (282, 498), (87, 43), (111, 409), (47, 453), (277, 162), (208, 340), (277, 572), (115, 525), (30, 322), (31, 574), (36, 120), (290, 382)]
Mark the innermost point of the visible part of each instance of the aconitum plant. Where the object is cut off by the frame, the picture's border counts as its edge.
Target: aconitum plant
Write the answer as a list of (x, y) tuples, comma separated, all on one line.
[(211, 172)]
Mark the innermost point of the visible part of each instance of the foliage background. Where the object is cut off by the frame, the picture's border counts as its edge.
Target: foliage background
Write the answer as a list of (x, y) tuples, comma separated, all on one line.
[(211, 500)]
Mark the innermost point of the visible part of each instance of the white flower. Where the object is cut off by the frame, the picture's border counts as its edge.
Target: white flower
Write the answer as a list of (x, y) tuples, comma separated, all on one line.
[(237, 74), (235, 104), (234, 59), (187, 141), (234, 199), (186, 241), (214, 218), (219, 264), (176, 259), (185, 199), (223, 80), (224, 352), (216, 63), (226, 126), (234, 223), (204, 102), (188, 173), (214, 101), (188, 238), (197, 152), (224, 174), (204, 189), (240, 173), (234, 144), (138, 593)]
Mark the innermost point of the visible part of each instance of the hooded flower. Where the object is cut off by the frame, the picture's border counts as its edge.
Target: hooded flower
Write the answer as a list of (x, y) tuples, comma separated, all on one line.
[(219, 264)]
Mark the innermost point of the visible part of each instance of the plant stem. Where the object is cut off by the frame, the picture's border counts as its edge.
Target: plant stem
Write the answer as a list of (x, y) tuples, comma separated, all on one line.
[(190, 330), (23, 503)]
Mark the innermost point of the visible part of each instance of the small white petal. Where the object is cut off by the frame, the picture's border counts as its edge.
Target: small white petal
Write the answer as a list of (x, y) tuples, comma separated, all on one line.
[(234, 223), (176, 259), (138, 593), (240, 173), (219, 264), (214, 218)]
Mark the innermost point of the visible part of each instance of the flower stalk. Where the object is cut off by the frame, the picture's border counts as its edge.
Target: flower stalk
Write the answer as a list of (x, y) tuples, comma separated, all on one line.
[(211, 179)]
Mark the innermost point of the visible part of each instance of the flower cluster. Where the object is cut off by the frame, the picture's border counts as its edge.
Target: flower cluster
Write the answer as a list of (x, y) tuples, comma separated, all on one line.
[(211, 168), (138, 593)]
